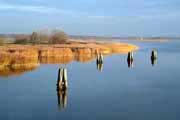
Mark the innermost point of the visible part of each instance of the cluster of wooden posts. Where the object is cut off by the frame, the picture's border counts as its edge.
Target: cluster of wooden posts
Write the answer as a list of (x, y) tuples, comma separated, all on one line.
[(62, 85), (130, 58), (99, 62), (62, 78), (62, 73), (62, 82)]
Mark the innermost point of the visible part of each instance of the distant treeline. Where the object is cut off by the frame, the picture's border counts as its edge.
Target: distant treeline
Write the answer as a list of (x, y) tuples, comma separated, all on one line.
[(121, 38), (54, 37), (58, 37)]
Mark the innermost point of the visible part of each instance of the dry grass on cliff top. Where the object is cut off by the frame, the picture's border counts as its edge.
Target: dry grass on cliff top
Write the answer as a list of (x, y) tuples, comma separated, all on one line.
[(115, 46)]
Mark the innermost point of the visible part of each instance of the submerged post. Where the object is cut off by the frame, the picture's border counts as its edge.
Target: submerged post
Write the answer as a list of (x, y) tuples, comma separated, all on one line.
[(99, 66), (65, 77), (154, 54), (99, 62), (99, 58), (130, 63), (154, 57), (130, 56), (62, 78), (130, 59), (62, 85)]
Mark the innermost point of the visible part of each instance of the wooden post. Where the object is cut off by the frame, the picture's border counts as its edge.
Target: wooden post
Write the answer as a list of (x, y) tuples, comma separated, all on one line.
[(154, 57), (153, 61), (99, 66), (130, 59), (99, 62), (101, 58), (65, 77), (62, 78), (130, 56), (154, 54), (130, 63), (62, 86), (97, 59)]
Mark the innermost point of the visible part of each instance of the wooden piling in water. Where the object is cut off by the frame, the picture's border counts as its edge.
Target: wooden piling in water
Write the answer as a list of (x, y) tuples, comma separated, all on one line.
[(62, 78), (99, 58), (130, 56), (99, 62), (154, 54), (99, 66), (65, 77), (154, 57), (62, 86), (130, 59), (130, 63)]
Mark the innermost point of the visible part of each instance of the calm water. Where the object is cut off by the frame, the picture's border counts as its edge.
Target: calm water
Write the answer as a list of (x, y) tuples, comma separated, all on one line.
[(144, 92)]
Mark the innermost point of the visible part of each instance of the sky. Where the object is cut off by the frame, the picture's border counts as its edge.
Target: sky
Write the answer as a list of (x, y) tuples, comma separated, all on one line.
[(149, 18)]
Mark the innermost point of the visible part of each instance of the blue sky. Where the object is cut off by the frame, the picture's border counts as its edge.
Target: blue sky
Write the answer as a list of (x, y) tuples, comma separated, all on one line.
[(92, 17)]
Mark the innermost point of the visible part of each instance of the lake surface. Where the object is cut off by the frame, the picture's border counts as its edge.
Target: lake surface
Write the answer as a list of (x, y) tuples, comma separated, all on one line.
[(111, 91)]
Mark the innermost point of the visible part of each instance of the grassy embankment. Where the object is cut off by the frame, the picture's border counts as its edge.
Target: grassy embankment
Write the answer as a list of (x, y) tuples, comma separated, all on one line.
[(27, 57)]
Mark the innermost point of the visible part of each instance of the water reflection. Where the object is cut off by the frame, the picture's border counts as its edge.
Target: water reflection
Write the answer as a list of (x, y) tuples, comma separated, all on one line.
[(153, 61), (130, 60), (62, 97), (15, 70), (99, 62), (130, 63), (99, 66), (62, 88), (18, 67), (9, 67)]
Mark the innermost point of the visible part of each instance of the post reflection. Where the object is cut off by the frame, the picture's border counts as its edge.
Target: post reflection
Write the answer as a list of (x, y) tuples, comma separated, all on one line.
[(99, 66), (130, 63), (99, 62), (130, 60), (62, 88), (153, 61), (62, 97)]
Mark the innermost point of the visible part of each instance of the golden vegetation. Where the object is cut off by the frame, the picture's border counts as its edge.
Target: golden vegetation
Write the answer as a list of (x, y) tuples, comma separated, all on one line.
[(52, 48), (17, 54)]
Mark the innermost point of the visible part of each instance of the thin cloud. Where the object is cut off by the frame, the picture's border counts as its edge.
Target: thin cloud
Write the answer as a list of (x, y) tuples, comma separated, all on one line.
[(48, 10), (37, 9)]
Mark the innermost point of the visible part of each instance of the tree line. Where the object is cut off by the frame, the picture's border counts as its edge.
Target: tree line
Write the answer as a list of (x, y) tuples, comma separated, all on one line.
[(55, 37)]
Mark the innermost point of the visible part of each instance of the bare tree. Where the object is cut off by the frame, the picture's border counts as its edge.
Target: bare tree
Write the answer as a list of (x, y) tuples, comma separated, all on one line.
[(58, 37), (44, 38), (34, 38)]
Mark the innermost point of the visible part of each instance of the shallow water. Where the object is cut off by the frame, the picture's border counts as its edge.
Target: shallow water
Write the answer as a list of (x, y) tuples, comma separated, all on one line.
[(143, 92)]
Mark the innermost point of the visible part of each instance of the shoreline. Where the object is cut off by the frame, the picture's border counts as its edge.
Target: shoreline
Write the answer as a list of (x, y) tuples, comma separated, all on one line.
[(14, 56), (74, 50), (16, 59)]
